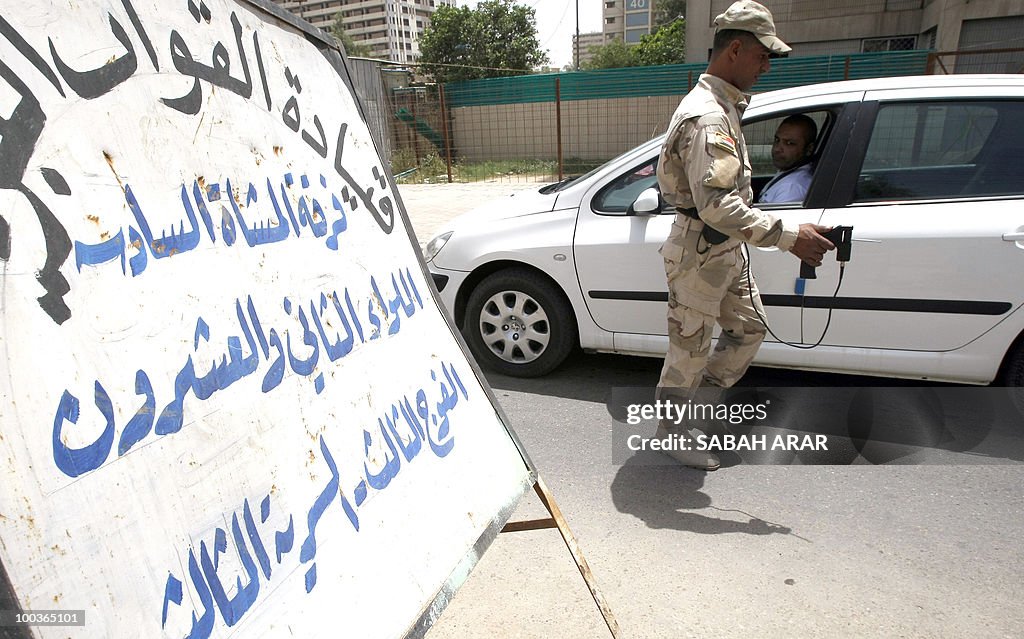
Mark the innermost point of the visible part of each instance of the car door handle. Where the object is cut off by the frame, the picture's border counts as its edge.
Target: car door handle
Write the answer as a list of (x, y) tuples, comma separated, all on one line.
[(1014, 237)]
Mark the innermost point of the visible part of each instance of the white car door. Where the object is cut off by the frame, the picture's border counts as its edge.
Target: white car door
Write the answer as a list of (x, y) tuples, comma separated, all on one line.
[(617, 262), (935, 200)]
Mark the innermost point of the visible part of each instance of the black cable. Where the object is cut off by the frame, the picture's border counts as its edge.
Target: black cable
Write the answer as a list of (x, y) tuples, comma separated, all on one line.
[(764, 320)]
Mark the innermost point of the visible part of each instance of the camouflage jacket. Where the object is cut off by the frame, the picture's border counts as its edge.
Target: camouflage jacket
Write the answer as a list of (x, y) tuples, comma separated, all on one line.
[(704, 165)]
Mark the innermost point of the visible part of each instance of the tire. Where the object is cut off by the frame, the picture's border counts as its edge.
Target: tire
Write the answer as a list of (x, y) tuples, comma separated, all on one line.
[(518, 323), (1013, 373), (1012, 376)]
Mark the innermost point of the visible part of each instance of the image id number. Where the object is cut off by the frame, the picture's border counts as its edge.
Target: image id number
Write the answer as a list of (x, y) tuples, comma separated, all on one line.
[(42, 618)]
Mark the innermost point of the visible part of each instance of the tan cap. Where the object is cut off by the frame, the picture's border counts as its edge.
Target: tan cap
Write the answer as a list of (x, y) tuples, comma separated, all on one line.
[(753, 17)]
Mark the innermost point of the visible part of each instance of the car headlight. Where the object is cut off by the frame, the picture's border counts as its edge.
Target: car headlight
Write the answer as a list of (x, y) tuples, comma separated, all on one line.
[(435, 245)]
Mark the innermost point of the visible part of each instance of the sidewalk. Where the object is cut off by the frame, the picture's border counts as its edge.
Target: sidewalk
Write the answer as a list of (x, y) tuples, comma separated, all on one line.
[(430, 206)]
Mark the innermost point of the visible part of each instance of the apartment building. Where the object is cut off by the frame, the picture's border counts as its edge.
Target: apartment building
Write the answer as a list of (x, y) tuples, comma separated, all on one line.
[(831, 27), (627, 20), (391, 28), (584, 45)]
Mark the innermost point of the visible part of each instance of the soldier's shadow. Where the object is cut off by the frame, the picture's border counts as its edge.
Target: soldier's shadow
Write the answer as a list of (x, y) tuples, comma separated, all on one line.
[(665, 495)]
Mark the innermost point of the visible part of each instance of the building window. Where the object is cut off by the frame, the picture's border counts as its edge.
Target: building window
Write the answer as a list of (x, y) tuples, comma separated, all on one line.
[(902, 5), (991, 33), (898, 43), (637, 20), (928, 38), (633, 35)]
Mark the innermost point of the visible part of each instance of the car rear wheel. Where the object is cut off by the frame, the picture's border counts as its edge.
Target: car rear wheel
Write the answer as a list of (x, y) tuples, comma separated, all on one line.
[(518, 323), (1013, 368)]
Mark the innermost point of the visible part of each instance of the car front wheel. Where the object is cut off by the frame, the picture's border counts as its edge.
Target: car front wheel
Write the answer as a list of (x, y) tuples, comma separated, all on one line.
[(518, 323)]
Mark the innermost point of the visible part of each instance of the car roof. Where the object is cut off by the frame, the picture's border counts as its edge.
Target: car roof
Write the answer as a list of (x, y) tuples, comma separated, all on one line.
[(1007, 80)]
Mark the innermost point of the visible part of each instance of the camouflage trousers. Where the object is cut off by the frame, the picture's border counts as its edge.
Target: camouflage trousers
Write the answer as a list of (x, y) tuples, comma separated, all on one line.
[(707, 285)]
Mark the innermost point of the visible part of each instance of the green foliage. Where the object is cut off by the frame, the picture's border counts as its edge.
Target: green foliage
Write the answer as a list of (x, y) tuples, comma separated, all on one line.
[(496, 39), (667, 45), (504, 168), (431, 168), (613, 55), (352, 47)]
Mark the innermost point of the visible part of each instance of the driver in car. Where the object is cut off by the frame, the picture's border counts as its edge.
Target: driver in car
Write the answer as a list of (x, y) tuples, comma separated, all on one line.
[(792, 151)]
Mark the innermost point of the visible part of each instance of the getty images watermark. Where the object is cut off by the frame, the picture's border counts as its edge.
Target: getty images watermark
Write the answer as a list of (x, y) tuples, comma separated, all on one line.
[(822, 425), (681, 415)]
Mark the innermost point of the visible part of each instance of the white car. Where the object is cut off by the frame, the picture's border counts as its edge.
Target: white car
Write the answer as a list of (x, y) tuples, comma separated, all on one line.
[(927, 170)]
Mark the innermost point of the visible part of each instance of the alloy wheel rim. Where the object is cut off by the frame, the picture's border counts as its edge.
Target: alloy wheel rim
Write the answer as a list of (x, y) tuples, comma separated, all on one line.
[(514, 327)]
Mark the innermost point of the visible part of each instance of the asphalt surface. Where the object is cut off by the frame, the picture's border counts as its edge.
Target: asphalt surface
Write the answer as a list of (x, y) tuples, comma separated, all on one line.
[(925, 546), (765, 551)]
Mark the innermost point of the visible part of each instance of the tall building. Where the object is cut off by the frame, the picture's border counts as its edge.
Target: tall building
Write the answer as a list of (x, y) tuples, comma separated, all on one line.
[(586, 41), (627, 20), (837, 27), (391, 28)]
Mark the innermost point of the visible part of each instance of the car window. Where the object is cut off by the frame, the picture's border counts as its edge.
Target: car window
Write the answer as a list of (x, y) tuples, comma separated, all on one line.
[(791, 189), (939, 150), (759, 136), (570, 181), (623, 191)]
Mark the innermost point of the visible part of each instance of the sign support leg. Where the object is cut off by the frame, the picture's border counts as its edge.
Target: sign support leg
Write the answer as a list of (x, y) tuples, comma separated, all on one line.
[(557, 520)]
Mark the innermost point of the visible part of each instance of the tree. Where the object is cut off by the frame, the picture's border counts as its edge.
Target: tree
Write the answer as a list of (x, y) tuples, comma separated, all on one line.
[(352, 47), (496, 39), (667, 11), (667, 45), (613, 55)]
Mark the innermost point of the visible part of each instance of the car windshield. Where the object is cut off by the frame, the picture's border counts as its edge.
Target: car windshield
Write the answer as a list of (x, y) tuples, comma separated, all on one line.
[(569, 181)]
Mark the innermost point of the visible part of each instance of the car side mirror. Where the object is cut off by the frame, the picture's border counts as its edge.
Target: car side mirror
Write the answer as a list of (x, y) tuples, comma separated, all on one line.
[(647, 203)]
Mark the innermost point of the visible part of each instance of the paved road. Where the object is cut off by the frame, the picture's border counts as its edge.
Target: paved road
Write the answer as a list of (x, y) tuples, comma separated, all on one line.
[(747, 551), (759, 551), (431, 205)]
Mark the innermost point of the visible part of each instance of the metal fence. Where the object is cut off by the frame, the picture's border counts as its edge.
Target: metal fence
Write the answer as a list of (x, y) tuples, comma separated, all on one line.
[(543, 127), (983, 61)]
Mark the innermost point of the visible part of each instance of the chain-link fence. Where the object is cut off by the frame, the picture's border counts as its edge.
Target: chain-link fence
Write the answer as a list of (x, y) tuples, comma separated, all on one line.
[(983, 61), (542, 128)]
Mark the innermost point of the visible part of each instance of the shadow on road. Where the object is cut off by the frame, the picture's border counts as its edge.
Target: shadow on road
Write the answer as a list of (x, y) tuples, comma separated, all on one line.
[(669, 496), (585, 377), (590, 376)]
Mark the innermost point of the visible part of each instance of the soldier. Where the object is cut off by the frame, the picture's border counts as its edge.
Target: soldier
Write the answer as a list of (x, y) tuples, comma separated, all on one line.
[(704, 172)]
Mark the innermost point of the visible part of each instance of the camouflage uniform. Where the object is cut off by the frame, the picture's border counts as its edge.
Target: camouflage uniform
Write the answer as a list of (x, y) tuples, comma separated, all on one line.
[(704, 166)]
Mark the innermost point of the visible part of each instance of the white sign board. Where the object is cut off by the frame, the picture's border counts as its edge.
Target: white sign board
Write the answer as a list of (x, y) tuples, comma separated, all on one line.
[(230, 405)]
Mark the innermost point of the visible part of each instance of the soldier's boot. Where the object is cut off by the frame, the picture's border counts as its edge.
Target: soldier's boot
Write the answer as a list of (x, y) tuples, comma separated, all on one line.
[(710, 394), (699, 459)]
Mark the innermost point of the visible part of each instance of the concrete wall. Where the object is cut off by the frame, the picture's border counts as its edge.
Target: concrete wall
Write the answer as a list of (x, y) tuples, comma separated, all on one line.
[(591, 130)]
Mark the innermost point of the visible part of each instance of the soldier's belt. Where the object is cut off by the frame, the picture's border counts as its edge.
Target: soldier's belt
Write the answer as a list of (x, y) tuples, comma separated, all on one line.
[(711, 236)]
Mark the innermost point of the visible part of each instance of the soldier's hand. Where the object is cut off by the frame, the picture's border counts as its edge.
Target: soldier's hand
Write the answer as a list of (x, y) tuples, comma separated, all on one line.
[(810, 245)]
